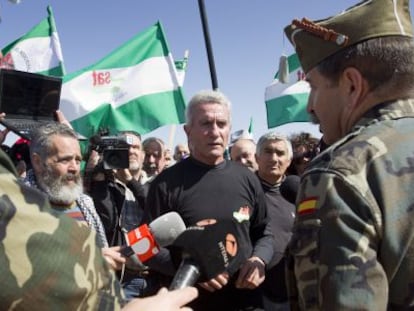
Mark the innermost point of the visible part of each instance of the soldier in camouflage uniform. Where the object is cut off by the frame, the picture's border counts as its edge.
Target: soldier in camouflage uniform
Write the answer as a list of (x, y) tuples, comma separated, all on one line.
[(353, 241), (48, 262)]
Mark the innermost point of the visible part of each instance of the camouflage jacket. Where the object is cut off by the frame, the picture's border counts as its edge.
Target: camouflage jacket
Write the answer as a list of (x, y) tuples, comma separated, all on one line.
[(48, 262), (353, 242)]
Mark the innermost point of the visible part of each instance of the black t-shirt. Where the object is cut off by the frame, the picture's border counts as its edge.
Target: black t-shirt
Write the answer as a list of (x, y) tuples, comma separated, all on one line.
[(282, 216), (226, 191)]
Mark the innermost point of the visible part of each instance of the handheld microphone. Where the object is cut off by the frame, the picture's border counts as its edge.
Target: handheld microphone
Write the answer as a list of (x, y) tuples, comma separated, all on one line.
[(206, 251), (146, 240), (290, 187)]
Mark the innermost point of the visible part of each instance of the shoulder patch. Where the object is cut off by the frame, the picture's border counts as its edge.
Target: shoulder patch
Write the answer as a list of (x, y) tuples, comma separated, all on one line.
[(243, 214)]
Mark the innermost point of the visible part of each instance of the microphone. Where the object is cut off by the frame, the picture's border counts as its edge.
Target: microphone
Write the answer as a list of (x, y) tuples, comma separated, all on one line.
[(146, 240), (290, 187), (206, 251)]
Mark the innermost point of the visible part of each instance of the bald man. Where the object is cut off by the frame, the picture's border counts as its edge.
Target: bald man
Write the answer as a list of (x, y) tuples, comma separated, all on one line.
[(243, 151)]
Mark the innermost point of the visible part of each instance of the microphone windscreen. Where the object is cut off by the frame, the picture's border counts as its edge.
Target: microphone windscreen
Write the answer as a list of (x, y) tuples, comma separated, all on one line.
[(214, 248), (290, 187), (167, 228)]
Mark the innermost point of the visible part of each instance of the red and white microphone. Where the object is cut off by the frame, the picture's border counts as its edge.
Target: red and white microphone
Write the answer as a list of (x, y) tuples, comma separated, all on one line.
[(146, 240)]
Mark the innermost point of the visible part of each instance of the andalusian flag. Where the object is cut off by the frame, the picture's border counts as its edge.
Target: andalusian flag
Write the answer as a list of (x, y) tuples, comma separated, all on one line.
[(37, 51), (134, 88), (286, 102), (181, 66)]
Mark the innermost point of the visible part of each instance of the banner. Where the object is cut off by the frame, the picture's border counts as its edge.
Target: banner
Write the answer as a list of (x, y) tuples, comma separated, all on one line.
[(133, 88), (38, 51)]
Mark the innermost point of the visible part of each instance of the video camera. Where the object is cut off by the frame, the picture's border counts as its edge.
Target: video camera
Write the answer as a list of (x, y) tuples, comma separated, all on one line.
[(113, 149)]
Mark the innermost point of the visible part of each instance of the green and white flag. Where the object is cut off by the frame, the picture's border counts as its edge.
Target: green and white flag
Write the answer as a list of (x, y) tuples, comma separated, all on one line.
[(181, 66), (286, 102), (133, 88), (38, 51)]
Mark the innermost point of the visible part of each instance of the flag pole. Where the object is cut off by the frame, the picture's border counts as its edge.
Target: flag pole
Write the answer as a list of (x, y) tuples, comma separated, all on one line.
[(207, 40)]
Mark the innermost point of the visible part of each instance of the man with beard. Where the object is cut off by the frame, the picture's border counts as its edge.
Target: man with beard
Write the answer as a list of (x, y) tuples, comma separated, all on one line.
[(352, 246), (55, 155)]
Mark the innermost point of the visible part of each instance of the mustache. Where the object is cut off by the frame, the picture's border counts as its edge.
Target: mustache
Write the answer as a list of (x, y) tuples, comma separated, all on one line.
[(71, 176)]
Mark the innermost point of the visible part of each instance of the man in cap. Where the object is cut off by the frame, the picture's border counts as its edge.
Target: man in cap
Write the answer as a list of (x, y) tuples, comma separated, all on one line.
[(353, 241)]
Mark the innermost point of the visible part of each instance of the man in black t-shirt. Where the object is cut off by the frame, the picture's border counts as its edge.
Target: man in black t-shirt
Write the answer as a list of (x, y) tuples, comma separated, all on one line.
[(206, 186), (274, 155)]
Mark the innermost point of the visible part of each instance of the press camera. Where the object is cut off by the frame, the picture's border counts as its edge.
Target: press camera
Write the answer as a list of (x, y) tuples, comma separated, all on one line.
[(113, 149)]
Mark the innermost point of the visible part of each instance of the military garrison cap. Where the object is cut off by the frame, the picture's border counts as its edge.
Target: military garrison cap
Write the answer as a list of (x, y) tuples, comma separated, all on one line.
[(316, 40)]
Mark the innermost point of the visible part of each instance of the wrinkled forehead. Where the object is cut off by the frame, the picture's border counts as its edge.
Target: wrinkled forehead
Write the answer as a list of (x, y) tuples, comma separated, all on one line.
[(211, 110)]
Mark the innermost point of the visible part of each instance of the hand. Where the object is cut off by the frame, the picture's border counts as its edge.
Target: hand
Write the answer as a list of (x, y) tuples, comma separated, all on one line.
[(3, 135), (93, 160), (165, 300), (251, 274), (124, 175), (113, 257), (216, 283), (62, 119)]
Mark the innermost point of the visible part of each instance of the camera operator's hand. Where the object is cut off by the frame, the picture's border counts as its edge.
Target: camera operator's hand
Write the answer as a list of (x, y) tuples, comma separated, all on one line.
[(93, 160), (91, 164), (124, 175)]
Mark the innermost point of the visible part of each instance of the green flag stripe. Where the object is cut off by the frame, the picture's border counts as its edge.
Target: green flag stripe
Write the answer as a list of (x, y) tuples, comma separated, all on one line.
[(127, 54), (287, 109), (141, 114)]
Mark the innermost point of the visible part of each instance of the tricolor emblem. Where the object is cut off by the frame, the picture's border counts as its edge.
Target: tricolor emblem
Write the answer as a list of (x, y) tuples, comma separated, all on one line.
[(307, 206)]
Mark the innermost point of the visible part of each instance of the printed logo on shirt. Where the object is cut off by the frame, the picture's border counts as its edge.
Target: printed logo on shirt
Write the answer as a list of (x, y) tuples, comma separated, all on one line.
[(307, 206), (243, 214)]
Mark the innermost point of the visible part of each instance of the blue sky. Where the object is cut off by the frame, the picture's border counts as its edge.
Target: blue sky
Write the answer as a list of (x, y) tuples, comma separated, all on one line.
[(246, 35)]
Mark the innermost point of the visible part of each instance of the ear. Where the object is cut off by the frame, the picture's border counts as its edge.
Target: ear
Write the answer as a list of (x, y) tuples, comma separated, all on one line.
[(37, 162), (187, 129), (354, 85)]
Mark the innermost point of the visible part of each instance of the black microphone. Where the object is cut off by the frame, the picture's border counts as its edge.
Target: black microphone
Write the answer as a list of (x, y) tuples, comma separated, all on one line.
[(290, 187), (206, 251)]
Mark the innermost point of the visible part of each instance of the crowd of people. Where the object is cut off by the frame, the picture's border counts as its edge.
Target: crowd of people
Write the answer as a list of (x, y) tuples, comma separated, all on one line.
[(345, 241)]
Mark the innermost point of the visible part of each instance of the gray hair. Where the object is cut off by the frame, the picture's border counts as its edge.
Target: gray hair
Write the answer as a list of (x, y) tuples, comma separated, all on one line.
[(41, 138), (207, 96), (274, 136), (156, 140)]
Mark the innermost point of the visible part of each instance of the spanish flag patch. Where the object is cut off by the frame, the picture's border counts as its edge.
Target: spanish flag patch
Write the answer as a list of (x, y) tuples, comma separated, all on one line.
[(307, 206)]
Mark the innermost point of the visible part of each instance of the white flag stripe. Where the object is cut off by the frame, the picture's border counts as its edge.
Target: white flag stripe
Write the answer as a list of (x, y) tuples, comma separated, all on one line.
[(297, 88), (56, 46), (148, 77), (22, 54), (278, 89)]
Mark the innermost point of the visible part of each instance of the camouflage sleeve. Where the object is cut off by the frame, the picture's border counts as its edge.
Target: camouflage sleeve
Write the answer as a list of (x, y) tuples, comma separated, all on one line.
[(48, 262), (333, 248)]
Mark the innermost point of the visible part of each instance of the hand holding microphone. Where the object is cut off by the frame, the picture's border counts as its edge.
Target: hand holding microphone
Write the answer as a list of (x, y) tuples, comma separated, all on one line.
[(208, 254)]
